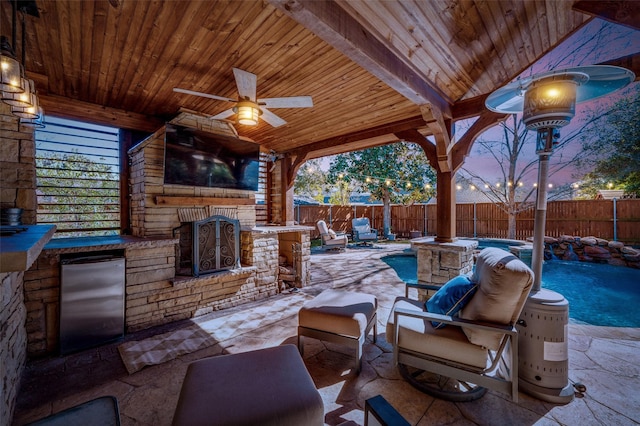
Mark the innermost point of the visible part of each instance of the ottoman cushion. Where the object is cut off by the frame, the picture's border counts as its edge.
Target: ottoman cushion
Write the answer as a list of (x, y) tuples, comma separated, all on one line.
[(265, 387), (339, 312)]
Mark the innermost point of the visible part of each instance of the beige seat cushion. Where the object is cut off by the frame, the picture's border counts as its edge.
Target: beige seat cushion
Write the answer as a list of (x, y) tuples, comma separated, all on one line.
[(504, 282), (340, 312), (418, 335)]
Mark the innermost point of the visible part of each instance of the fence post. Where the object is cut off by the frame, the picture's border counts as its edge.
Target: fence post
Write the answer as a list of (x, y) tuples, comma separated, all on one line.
[(330, 217), (615, 220), (298, 215), (475, 220), (425, 221)]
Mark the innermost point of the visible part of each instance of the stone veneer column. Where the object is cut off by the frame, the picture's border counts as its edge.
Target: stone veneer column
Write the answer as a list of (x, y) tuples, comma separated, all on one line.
[(17, 190), (440, 262), (17, 166)]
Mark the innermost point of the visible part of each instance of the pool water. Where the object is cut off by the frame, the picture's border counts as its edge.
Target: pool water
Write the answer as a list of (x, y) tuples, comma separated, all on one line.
[(598, 294)]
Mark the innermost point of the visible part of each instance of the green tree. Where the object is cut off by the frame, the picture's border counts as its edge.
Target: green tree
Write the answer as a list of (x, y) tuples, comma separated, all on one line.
[(311, 181), (613, 154), (76, 192), (396, 173)]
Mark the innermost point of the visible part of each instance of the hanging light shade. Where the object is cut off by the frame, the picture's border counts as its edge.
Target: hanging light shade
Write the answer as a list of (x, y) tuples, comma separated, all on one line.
[(10, 81), (26, 99), (247, 112), (28, 112), (36, 122)]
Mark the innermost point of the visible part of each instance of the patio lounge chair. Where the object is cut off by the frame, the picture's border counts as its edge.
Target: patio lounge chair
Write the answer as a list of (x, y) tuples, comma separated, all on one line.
[(329, 239), (362, 232), (458, 357)]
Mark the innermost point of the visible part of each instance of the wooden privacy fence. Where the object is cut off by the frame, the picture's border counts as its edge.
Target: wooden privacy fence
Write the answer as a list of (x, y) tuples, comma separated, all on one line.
[(609, 219)]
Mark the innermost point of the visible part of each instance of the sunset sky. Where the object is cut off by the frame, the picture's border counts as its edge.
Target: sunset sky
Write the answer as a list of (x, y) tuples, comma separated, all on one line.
[(597, 42)]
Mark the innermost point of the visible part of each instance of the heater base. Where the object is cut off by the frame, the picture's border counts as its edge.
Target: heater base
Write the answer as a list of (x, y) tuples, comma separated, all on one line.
[(554, 395)]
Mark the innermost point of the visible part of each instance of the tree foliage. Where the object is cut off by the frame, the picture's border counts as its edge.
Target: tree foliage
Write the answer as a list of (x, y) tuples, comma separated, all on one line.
[(76, 192), (396, 173), (612, 148), (311, 181)]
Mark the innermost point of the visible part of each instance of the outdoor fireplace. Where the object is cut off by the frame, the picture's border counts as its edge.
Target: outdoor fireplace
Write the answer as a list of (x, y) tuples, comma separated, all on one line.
[(209, 245)]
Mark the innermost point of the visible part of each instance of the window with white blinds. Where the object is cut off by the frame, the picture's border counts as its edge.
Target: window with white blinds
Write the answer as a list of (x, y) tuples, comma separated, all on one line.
[(78, 178)]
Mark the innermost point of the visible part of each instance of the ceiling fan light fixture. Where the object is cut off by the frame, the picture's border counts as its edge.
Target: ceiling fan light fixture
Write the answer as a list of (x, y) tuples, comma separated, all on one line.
[(247, 113)]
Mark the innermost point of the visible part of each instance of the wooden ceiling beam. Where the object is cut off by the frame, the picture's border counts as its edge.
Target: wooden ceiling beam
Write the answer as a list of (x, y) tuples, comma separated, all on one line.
[(379, 135), (462, 148), (327, 20), (441, 130), (60, 106), (620, 12)]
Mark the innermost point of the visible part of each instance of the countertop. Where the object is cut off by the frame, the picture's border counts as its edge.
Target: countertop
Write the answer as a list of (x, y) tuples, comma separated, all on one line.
[(19, 251), (80, 244)]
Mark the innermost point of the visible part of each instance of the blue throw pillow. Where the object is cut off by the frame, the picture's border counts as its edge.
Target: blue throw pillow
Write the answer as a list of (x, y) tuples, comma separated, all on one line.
[(451, 298)]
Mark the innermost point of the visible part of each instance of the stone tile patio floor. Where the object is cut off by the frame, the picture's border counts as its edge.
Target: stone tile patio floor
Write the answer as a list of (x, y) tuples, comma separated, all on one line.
[(606, 360)]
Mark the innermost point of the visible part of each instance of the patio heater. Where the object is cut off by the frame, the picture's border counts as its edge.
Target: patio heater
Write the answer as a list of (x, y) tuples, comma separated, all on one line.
[(547, 102)]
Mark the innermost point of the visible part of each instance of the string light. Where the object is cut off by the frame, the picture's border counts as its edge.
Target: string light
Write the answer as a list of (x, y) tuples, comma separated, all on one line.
[(387, 181)]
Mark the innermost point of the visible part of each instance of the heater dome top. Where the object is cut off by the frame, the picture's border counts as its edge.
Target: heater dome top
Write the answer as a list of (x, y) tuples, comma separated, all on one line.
[(602, 79)]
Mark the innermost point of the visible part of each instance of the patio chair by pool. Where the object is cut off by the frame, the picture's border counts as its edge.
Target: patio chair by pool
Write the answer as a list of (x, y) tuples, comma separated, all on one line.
[(457, 357), (329, 239), (362, 232)]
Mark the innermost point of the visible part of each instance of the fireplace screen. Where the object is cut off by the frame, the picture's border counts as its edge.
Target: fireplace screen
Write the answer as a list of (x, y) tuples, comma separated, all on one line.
[(209, 245)]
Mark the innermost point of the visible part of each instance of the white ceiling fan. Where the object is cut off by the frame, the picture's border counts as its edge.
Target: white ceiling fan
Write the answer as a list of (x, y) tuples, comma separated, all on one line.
[(247, 106)]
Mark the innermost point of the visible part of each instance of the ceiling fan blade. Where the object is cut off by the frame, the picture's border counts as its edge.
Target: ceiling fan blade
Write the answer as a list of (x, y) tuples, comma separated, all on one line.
[(289, 102), (246, 83), (204, 95), (271, 118), (223, 114)]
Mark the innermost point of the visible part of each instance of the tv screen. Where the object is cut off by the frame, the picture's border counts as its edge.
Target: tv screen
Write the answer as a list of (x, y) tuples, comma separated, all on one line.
[(196, 158)]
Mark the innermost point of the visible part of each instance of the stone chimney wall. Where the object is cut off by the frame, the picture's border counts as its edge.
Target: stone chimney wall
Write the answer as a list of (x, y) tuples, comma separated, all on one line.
[(155, 206)]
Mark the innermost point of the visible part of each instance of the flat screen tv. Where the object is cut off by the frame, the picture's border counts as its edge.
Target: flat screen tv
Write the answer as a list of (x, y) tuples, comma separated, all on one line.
[(197, 158)]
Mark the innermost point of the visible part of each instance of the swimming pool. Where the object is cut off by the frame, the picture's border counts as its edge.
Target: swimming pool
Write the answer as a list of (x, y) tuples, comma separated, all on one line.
[(598, 294)]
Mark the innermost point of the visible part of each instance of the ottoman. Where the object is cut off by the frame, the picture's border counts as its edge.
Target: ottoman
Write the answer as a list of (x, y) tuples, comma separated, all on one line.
[(264, 387), (340, 317)]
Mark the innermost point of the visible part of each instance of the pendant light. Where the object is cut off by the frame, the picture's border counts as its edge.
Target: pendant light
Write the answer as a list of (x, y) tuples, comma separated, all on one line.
[(10, 80), (16, 89)]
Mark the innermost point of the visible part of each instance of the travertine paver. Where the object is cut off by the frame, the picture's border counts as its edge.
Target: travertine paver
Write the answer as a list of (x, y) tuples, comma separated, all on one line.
[(606, 360)]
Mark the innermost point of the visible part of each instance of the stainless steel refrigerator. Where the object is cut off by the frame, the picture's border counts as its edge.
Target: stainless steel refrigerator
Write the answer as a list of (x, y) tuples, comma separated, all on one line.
[(92, 293)]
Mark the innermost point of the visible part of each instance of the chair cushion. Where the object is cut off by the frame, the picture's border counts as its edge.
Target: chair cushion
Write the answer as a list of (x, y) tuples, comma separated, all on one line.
[(418, 335), (341, 312), (362, 229), (451, 298), (504, 282), (332, 234)]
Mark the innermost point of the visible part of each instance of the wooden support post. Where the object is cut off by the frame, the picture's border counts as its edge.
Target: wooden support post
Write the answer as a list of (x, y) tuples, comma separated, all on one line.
[(446, 208)]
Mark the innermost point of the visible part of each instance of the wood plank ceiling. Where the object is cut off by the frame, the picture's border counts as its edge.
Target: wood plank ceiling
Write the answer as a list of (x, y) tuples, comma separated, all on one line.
[(370, 66)]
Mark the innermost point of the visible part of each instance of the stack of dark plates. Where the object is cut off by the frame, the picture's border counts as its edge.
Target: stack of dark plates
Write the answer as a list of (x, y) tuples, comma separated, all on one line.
[(11, 217)]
